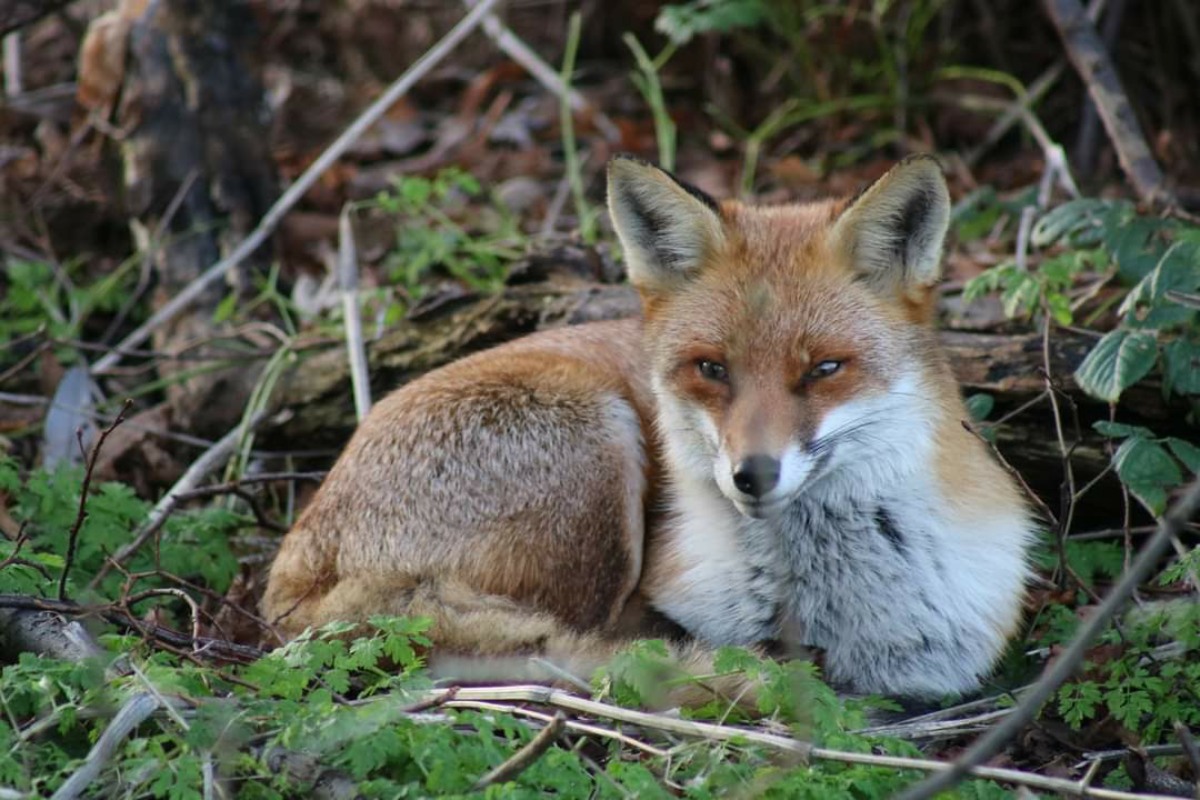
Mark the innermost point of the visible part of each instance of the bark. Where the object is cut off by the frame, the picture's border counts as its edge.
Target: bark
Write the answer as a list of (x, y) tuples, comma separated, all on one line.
[(198, 173), (1009, 367), (45, 633), (1095, 66), (16, 14)]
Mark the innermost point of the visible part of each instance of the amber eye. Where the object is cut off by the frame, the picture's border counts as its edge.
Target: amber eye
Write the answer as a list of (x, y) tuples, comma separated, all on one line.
[(713, 371), (824, 369)]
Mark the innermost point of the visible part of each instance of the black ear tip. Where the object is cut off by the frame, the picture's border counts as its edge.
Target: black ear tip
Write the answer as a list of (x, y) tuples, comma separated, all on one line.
[(925, 160), (629, 158)]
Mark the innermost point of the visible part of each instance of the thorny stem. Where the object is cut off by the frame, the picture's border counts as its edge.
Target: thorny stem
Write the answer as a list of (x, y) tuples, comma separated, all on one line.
[(73, 534)]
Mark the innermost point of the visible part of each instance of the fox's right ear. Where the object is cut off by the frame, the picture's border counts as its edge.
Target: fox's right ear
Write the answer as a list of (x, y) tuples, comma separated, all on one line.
[(666, 227)]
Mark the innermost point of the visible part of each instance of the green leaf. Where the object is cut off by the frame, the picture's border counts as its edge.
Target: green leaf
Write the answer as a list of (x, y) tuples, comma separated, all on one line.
[(1136, 246), (1069, 220), (224, 310), (1119, 430), (1178, 269), (1147, 470), (1122, 358), (980, 406), (1181, 366), (1186, 452)]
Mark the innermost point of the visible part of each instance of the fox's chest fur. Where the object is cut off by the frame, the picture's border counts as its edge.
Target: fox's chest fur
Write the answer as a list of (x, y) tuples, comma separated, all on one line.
[(882, 581)]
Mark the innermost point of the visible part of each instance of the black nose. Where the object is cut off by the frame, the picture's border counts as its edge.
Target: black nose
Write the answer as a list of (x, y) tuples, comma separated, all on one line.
[(756, 475)]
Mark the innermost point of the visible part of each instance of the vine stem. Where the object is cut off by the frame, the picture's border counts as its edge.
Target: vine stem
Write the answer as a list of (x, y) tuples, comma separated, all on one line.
[(81, 515)]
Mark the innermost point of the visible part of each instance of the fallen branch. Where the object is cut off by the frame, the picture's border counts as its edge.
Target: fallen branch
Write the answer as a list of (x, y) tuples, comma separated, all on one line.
[(297, 190), (1094, 65), (134, 711), (45, 633), (114, 614), (991, 743), (518, 51)]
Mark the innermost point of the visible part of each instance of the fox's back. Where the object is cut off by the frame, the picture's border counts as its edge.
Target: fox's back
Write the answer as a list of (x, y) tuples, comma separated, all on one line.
[(521, 470)]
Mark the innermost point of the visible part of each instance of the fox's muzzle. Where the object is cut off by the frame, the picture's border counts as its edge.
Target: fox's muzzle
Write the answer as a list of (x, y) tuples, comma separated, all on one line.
[(756, 475)]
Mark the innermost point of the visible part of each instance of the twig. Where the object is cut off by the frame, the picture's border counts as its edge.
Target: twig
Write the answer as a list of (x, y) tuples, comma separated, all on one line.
[(572, 725), (560, 699), (114, 614), (150, 248), (1014, 472), (356, 348), (1041, 691), (1017, 112), (557, 698), (1189, 748), (543, 73), (134, 711), (297, 190), (73, 534), (519, 761), (1094, 65), (208, 462)]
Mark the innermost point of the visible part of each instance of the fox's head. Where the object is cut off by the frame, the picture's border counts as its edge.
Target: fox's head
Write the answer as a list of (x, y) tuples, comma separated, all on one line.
[(786, 341)]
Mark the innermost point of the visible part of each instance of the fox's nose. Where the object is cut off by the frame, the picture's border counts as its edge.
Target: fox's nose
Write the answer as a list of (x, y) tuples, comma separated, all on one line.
[(756, 475)]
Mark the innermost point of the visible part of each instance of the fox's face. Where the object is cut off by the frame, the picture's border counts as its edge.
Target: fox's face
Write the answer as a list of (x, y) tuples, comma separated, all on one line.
[(786, 341)]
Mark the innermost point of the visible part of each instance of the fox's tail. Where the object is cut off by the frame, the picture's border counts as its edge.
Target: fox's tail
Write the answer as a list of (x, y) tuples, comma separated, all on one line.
[(483, 638)]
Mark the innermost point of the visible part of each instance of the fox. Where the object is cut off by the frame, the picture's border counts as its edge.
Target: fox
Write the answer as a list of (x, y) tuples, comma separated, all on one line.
[(773, 452)]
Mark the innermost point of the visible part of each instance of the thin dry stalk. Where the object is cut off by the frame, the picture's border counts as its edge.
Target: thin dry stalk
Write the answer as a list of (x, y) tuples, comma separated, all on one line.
[(73, 534)]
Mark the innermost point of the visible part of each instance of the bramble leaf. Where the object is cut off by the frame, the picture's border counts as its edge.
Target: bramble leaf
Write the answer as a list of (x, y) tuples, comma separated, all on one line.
[(1122, 358)]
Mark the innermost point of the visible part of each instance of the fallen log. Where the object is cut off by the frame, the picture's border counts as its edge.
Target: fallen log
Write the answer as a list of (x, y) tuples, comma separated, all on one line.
[(1008, 367)]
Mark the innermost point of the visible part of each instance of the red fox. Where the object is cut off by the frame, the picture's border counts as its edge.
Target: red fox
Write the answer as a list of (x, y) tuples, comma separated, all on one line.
[(774, 450)]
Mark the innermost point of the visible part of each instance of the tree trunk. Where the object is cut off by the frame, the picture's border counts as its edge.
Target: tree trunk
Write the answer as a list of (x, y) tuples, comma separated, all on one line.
[(198, 174)]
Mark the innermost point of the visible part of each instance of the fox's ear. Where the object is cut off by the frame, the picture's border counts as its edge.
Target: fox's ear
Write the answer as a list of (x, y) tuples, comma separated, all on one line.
[(894, 231), (666, 227)]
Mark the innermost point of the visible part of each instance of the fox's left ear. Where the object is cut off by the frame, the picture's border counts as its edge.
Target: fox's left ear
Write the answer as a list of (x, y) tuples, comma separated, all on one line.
[(894, 231)]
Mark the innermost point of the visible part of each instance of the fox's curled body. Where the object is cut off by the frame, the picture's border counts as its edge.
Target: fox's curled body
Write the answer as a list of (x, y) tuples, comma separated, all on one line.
[(775, 451)]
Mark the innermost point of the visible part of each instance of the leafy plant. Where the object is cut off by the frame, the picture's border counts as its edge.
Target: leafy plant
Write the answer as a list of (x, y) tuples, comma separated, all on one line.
[(1156, 256), (192, 545), (430, 240), (36, 295)]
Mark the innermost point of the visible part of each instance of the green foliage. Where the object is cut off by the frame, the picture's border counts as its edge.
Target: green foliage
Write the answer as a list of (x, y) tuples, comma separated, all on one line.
[(193, 545), (1154, 256), (36, 296), (1150, 467), (683, 22), (1157, 256), (1143, 689), (430, 240)]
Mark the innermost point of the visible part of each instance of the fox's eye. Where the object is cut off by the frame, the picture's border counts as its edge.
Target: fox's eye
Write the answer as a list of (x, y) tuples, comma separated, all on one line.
[(824, 369), (713, 371)]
